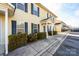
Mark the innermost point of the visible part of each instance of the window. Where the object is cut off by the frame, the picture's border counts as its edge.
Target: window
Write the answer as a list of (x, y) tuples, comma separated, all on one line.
[(34, 28), (13, 27), (21, 6), (34, 9)]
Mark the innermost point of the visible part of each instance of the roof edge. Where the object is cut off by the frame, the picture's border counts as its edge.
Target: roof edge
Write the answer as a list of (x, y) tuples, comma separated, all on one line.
[(39, 4)]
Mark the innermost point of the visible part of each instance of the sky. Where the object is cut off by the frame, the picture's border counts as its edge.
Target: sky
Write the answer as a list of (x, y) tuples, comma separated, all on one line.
[(67, 12)]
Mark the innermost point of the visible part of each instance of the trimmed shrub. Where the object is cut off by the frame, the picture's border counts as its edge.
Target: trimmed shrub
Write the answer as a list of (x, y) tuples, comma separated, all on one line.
[(50, 33), (21, 39), (54, 32), (32, 37), (41, 35), (12, 44), (17, 40)]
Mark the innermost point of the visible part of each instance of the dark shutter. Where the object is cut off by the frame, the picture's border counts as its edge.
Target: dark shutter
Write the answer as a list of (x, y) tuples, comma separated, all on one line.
[(38, 12), (47, 15), (26, 7), (38, 28), (26, 27), (31, 8), (31, 27), (13, 27)]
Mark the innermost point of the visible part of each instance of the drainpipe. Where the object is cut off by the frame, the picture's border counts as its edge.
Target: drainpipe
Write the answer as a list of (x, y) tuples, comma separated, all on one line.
[(6, 31)]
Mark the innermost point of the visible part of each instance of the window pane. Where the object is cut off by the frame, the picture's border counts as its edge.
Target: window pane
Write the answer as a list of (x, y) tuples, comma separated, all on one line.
[(20, 28), (34, 28), (21, 6), (35, 10)]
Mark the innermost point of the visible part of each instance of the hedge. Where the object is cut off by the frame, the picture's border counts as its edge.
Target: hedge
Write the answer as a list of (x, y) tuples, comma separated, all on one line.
[(50, 33), (21, 39), (36, 36), (17, 40), (54, 32), (41, 35), (32, 37)]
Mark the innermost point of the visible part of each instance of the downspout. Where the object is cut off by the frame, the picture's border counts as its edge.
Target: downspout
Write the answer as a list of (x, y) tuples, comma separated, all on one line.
[(6, 31), (14, 10)]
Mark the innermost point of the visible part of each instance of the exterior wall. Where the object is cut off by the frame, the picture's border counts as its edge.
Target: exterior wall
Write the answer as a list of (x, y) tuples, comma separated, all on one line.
[(21, 17), (2, 18), (58, 28), (3, 6)]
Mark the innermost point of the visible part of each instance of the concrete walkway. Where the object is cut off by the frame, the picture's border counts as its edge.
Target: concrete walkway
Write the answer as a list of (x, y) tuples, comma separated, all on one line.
[(1, 49), (40, 48), (51, 50)]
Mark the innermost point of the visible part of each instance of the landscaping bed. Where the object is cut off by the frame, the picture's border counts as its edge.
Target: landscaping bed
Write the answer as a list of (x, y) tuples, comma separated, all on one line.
[(21, 39)]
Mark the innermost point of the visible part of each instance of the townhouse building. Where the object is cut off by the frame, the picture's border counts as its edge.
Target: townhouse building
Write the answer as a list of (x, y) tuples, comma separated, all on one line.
[(64, 27), (23, 17), (58, 25)]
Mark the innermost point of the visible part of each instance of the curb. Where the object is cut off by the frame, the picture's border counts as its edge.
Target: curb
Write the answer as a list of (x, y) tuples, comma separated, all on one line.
[(60, 44)]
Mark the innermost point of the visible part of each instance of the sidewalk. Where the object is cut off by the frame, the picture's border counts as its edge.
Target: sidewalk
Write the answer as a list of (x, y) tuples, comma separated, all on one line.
[(50, 51), (38, 48)]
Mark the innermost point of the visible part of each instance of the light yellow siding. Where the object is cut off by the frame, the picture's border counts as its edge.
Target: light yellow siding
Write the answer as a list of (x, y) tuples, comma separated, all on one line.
[(58, 28), (21, 17)]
